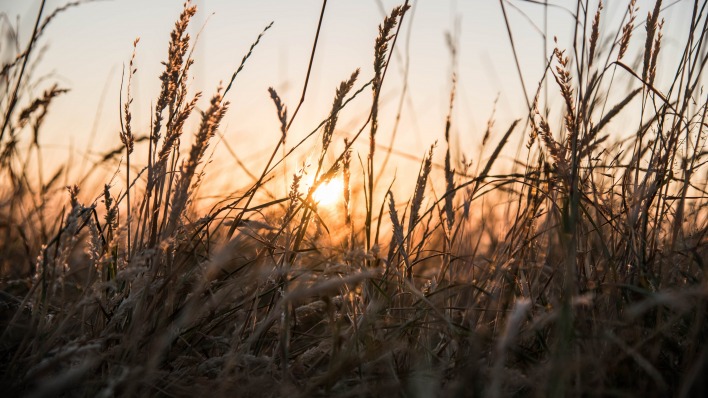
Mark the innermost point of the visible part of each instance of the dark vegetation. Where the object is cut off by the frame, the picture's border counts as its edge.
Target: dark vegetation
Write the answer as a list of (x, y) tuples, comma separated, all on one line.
[(595, 287)]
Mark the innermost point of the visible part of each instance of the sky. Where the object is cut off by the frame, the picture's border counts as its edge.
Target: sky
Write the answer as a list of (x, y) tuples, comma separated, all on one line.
[(86, 48)]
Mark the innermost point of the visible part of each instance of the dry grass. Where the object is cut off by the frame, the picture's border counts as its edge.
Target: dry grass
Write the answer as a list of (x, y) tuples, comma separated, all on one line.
[(579, 273)]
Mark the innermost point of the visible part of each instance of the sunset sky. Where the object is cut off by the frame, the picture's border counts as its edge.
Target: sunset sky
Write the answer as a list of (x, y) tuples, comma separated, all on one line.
[(87, 46)]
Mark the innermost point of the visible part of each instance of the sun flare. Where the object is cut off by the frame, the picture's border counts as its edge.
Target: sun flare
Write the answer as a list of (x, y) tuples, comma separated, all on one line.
[(329, 192)]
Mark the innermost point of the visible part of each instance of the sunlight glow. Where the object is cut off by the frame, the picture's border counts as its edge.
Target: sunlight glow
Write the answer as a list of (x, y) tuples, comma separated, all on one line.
[(328, 193)]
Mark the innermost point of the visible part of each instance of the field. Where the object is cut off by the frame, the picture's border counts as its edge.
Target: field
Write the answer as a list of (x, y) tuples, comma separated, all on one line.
[(575, 267)]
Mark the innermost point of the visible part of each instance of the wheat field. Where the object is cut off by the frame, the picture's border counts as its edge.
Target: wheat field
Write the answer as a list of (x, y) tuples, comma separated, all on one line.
[(573, 266)]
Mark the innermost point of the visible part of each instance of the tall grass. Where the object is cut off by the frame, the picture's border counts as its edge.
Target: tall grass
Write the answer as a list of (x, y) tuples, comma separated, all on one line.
[(578, 273)]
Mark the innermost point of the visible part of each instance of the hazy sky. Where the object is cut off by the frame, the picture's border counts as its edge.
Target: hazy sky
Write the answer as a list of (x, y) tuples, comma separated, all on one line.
[(87, 46)]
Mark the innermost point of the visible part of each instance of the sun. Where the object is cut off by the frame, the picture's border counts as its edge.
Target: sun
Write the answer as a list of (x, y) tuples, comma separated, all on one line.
[(329, 192)]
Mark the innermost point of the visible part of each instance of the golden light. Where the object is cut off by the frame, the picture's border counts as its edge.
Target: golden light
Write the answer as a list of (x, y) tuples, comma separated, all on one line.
[(328, 193)]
